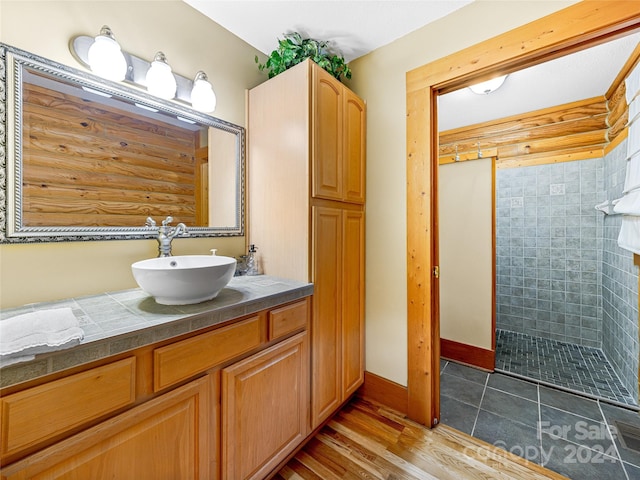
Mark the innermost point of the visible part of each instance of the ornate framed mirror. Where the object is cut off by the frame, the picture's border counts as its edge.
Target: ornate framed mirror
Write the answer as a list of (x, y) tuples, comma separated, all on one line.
[(83, 158)]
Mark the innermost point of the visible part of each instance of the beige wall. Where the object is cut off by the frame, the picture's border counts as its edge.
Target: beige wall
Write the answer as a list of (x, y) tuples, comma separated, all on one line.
[(465, 192), (33, 273), (379, 78), (30, 273)]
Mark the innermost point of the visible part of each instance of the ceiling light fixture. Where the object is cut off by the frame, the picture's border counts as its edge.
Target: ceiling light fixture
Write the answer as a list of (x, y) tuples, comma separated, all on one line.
[(202, 96), (485, 88), (160, 79), (105, 56)]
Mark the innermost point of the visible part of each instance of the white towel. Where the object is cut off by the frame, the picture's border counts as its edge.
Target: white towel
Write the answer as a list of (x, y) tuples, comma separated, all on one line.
[(24, 336), (632, 85), (629, 237), (633, 140), (606, 207), (634, 111), (629, 204)]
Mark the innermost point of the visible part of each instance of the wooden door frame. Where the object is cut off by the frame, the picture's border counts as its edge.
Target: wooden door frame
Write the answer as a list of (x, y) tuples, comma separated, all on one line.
[(583, 25)]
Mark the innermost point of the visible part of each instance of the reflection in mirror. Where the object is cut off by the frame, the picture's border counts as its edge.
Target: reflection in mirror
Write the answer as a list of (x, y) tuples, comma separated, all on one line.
[(88, 158)]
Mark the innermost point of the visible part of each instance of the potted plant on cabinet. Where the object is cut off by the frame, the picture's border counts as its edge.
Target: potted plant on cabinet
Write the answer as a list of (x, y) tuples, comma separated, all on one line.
[(293, 49)]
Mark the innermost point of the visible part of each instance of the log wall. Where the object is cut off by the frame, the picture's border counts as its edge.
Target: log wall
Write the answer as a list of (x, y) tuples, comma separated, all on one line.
[(85, 164), (573, 131)]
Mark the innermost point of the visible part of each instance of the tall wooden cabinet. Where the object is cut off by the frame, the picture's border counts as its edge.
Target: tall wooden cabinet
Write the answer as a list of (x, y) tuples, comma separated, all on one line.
[(306, 142)]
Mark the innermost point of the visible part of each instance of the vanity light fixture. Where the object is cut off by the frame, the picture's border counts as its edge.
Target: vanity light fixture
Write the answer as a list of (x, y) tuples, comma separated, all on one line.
[(156, 76), (105, 56), (485, 88), (160, 79), (202, 96)]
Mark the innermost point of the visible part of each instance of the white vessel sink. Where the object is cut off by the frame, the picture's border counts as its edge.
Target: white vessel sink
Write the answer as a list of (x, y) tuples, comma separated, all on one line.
[(184, 279)]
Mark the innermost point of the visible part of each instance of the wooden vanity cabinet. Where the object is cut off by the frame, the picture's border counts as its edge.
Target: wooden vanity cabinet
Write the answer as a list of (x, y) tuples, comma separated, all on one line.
[(306, 183), (247, 380)]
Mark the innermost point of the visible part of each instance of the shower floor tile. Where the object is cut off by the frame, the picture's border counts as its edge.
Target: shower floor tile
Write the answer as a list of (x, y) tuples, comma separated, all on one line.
[(573, 367)]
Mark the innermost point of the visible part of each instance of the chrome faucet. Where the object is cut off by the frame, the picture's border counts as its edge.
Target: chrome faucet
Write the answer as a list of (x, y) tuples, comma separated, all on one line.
[(166, 233)]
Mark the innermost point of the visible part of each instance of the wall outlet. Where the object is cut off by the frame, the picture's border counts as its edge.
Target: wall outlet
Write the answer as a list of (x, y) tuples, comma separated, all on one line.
[(517, 202)]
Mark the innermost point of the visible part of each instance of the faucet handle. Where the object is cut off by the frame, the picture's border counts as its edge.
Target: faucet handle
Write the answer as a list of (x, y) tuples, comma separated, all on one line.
[(167, 221), (150, 222)]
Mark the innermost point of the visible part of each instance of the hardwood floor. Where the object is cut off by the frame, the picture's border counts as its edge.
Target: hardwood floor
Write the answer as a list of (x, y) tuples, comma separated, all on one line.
[(368, 441)]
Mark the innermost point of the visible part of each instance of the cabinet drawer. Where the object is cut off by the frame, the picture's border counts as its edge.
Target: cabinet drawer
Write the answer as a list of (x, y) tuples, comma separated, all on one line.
[(288, 319), (181, 360), (165, 438), (40, 413)]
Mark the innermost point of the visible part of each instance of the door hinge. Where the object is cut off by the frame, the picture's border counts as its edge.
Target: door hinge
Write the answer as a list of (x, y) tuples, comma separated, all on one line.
[(436, 271)]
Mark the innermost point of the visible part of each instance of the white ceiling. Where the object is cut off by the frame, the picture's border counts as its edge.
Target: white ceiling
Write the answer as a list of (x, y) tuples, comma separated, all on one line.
[(354, 28), (579, 76)]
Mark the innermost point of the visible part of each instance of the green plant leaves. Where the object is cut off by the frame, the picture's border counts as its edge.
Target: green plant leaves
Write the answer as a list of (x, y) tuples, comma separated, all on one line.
[(293, 49)]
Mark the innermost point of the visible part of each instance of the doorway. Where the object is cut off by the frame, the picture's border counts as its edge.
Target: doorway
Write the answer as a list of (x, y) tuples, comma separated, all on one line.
[(526, 46)]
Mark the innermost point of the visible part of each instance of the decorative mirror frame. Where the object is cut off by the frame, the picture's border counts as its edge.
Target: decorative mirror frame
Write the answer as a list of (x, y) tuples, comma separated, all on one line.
[(12, 230)]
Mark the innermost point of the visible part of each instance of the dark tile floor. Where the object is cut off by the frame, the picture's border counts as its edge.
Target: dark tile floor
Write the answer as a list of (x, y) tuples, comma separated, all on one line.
[(566, 365), (573, 435)]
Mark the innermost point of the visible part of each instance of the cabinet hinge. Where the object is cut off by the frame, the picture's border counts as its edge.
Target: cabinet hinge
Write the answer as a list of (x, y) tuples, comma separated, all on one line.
[(436, 271)]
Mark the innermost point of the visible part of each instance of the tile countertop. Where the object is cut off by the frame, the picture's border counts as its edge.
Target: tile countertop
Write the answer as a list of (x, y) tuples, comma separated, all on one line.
[(119, 321)]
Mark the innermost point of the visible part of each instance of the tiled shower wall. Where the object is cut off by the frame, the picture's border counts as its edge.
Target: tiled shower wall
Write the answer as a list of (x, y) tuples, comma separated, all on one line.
[(549, 251), (560, 272), (619, 283)]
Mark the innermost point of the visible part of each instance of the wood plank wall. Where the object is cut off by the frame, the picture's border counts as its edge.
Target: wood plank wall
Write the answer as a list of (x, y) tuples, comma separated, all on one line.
[(574, 131), (87, 164)]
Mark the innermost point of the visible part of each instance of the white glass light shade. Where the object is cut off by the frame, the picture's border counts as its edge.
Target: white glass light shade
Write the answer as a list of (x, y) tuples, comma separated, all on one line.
[(106, 58), (489, 86), (160, 79), (203, 97)]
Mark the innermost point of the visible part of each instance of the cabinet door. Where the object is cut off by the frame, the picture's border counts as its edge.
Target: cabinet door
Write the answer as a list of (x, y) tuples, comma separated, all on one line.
[(265, 409), (327, 169), (165, 438), (354, 147), (352, 302), (327, 309)]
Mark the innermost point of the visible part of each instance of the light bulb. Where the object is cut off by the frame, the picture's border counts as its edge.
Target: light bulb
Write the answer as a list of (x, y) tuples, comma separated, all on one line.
[(203, 97), (160, 79), (106, 58)]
